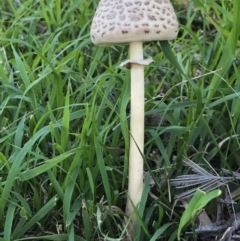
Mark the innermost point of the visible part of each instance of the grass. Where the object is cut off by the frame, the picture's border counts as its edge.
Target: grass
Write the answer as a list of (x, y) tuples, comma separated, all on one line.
[(64, 131)]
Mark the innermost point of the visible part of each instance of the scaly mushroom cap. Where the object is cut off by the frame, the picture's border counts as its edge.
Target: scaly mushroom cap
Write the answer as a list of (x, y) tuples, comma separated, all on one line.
[(124, 21)]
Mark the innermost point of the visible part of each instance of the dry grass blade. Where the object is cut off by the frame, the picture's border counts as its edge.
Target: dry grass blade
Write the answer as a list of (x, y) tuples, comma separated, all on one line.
[(206, 187), (182, 182), (235, 175), (191, 180), (195, 167), (202, 180)]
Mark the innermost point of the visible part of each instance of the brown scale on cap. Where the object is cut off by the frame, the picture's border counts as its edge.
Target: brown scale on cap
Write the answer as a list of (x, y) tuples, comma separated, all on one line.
[(119, 22)]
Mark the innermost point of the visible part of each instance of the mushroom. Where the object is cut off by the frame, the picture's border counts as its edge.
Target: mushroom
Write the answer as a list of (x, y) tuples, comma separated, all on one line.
[(134, 22)]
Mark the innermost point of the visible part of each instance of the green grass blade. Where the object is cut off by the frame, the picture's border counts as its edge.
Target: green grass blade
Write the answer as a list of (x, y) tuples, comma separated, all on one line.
[(68, 198), (21, 68), (140, 224), (236, 21), (91, 182), (23, 202), (54, 237), (102, 168), (29, 174), (169, 54), (76, 206), (190, 211), (9, 222), (65, 121), (160, 231), (56, 184), (45, 210)]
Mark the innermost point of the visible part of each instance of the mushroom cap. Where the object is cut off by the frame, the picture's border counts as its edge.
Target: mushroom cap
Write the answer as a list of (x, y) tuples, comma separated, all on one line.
[(124, 21)]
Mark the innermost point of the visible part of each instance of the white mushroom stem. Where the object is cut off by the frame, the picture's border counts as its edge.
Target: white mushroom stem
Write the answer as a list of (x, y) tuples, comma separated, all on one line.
[(135, 177)]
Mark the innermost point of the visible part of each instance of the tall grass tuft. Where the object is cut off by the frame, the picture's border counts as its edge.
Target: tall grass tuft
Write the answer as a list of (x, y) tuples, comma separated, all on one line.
[(64, 119)]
